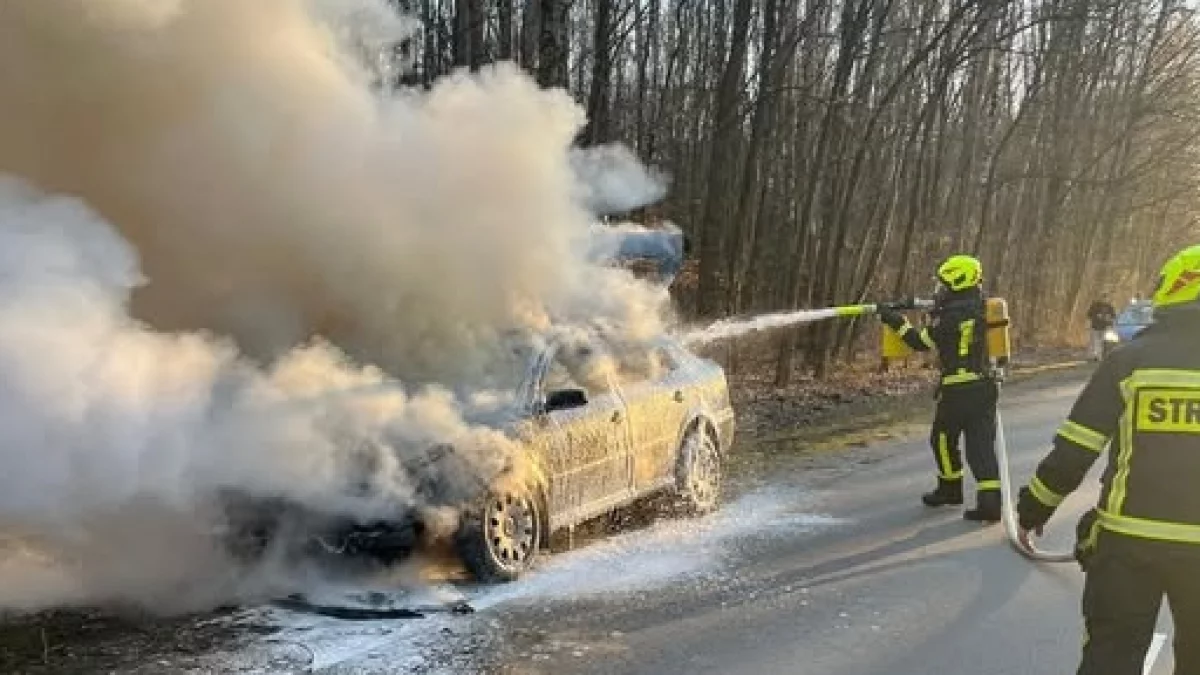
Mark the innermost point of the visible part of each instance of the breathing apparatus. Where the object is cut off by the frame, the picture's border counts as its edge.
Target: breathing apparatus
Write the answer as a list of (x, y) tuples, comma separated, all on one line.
[(998, 339)]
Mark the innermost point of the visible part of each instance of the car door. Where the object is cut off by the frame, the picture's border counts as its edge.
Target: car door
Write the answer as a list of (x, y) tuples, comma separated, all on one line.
[(657, 403), (590, 454)]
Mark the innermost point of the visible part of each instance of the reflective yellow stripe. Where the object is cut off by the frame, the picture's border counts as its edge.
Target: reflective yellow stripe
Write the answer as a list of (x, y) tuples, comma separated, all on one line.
[(904, 330), (947, 468), (961, 378), (927, 339), (1044, 494), (989, 485), (1082, 436), (1089, 544), (1151, 529), (1161, 377), (966, 335), (1116, 494)]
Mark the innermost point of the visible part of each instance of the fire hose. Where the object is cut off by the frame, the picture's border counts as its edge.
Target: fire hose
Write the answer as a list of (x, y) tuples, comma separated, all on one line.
[(1008, 508)]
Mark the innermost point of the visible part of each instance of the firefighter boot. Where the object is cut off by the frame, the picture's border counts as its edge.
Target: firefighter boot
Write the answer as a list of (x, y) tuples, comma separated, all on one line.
[(948, 493), (987, 507)]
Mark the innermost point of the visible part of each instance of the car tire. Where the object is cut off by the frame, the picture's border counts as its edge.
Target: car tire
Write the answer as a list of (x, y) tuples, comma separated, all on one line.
[(500, 539), (698, 474)]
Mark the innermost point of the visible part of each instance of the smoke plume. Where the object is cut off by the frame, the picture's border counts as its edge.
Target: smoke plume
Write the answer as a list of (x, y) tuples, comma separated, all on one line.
[(614, 181), (225, 262)]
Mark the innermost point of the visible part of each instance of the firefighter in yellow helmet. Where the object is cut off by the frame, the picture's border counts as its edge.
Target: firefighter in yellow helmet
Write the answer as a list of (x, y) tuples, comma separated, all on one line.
[(967, 394), (1142, 540)]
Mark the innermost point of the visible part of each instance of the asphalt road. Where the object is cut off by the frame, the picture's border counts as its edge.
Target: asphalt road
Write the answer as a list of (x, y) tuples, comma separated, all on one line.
[(822, 564), (888, 587)]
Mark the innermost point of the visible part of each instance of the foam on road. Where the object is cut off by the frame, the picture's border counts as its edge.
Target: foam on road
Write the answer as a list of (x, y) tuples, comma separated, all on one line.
[(637, 561)]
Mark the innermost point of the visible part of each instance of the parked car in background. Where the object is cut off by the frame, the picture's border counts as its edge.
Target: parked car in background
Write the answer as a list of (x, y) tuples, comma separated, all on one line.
[(1131, 320), (599, 436)]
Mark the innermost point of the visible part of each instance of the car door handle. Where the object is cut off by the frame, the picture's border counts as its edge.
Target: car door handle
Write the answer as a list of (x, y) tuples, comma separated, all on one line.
[(617, 417), (678, 397)]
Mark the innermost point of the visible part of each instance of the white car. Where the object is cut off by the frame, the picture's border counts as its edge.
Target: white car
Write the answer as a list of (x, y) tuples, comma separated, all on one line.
[(597, 445)]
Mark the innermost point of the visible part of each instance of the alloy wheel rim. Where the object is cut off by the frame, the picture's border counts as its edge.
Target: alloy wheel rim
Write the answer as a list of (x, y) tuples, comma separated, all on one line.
[(511, 529)]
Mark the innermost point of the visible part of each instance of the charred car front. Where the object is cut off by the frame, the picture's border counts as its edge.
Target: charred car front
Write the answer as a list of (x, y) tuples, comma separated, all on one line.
[(596, 441)]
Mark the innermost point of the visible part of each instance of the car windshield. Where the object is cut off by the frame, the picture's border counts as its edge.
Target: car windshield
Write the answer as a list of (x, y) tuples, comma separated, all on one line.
[(597, 367)]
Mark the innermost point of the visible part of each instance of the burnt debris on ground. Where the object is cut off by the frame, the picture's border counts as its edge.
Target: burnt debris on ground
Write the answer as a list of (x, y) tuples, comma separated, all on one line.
[(372, 607)]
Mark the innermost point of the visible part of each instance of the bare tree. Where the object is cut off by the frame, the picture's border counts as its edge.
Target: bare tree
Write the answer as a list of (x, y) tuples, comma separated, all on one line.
[(599, 100), (831, 151), (553, 44)]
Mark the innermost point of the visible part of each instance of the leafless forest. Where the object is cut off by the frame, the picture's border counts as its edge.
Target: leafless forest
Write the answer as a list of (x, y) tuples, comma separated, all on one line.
[(829, 151)]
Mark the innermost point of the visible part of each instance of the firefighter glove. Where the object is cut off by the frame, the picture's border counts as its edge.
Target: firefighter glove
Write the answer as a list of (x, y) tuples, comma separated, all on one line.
[(1031, 513), (891, 318)]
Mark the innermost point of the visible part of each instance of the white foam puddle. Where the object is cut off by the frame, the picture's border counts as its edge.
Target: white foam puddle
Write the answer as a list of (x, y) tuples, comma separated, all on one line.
[(309, 643), (637, 561)]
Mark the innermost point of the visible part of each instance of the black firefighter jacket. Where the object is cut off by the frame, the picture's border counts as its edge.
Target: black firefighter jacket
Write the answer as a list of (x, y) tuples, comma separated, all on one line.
[(958, 334), (1143, 404)]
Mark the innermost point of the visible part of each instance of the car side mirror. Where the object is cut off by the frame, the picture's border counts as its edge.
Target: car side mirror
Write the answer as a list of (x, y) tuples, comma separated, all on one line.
[(566, 399)]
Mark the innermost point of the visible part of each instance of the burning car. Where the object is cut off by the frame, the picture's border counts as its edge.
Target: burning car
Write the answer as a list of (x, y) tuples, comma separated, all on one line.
[(596, 439)]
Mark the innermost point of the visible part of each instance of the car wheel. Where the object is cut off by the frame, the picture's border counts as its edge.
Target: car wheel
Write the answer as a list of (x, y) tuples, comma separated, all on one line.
[(500, 541), (698, 475)]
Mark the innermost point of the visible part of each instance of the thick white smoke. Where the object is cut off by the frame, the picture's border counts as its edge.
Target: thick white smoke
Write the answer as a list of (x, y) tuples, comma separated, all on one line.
[(614, 181), (205, 198), (112, 434)]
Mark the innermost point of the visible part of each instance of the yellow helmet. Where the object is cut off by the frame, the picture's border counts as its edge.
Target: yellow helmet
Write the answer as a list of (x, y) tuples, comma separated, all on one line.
[(960, 272), (1179, 281)]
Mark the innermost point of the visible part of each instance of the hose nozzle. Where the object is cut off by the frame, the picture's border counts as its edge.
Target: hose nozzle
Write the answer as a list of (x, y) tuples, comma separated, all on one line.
[(907, 304)]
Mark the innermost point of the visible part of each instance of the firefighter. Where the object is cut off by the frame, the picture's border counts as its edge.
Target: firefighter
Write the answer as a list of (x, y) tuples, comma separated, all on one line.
[(967, 393), (1142, 540)]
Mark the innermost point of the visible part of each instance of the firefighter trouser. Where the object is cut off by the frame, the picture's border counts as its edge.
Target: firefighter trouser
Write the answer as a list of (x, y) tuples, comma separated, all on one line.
[(1127, 579), (969, 411)]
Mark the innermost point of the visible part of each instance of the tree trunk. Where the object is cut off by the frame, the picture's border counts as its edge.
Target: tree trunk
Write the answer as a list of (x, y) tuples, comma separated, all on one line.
[(598, 128), (553, 48), (531, 32), (726, 144), (505, 29)]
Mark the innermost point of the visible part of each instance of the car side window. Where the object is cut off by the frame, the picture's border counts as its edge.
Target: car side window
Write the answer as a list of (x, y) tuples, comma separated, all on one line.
[(558, 377), (580, 366)]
